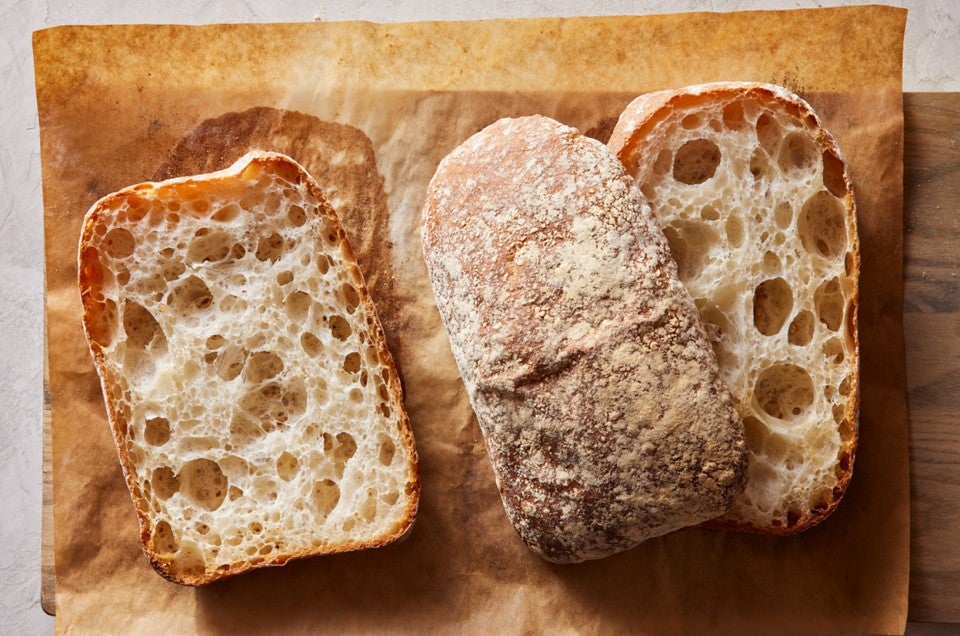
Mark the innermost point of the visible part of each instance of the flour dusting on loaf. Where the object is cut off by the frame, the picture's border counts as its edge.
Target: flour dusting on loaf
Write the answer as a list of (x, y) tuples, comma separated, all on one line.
[(594, 385)]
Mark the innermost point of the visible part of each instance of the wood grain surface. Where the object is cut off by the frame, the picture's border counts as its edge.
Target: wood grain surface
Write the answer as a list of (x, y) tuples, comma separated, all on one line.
[(932, 330), (931, 323)]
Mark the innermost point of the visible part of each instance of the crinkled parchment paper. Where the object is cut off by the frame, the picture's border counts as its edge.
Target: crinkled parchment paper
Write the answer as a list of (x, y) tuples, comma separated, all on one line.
[(115, 104)]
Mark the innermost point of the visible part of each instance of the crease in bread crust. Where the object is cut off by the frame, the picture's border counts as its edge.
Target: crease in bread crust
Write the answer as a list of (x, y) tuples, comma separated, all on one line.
[(757, 204), (595, 388), (256, 409)]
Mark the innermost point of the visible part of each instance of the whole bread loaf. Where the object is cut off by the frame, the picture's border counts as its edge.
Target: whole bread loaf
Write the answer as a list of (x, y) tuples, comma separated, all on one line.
[(255, 407), (756, 202), (594, 385)]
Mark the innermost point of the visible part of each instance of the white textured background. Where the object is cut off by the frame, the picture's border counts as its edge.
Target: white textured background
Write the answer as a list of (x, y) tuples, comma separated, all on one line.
[(931, 63)]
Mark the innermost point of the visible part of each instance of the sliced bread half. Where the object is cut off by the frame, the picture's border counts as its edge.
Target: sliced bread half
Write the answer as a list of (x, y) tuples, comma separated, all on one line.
[(256, 409), (757, 205)]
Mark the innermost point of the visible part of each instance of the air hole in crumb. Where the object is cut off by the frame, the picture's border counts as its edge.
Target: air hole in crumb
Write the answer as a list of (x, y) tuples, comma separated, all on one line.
[(164, 482), (690, 244), (696, 161), (274, 404), (157, 431), (833, 174), (838, 413), (204, 483), (369, 508), (330, 234), (326, 494), (163, 540), (664, 160), (709, 213), (733, 228), (800, 331), (828, 302), (356, 395), (323, 263), (833, 350), (760, 166), (769, 134), (387, 451), (190, 295), (298, 304), (284, 278), (771, 262), (263, 365), (227, 213), (776, 447), (755, 433), (215, 341), (798, 154), (733, 116), (296, 215), (142, 329), (229, 363), (384, 409), (311, 344), (690, 121), (351, 363), (211, 247), (123, 274), (772, 304), (349, 297), (270, 247), (235, 493), (844, 388), (822, 225), (172, 270), (202, 528), (783, 215), (345, 447), (119, 243), (784, 391), (287, 466), (339, 327), (848, 263)]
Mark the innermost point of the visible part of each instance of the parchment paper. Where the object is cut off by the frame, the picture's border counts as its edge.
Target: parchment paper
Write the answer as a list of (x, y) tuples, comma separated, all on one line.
[(114, 104)]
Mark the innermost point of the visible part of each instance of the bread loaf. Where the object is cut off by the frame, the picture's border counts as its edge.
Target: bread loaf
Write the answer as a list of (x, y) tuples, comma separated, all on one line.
[(756, 202), (594, 386), (255, 407)]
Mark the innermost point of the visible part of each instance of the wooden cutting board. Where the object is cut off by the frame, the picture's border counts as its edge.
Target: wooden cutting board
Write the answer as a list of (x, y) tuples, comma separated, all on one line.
[(931, 322), (932, 329)]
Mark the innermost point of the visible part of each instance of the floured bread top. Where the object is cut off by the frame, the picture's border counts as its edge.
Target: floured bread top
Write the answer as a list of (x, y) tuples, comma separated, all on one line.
[(255, 406), (595, 388), (756, 203)]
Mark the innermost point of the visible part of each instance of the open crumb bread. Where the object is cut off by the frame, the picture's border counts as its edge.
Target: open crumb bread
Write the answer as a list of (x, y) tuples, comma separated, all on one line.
[(757, 204), (255, 407)]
